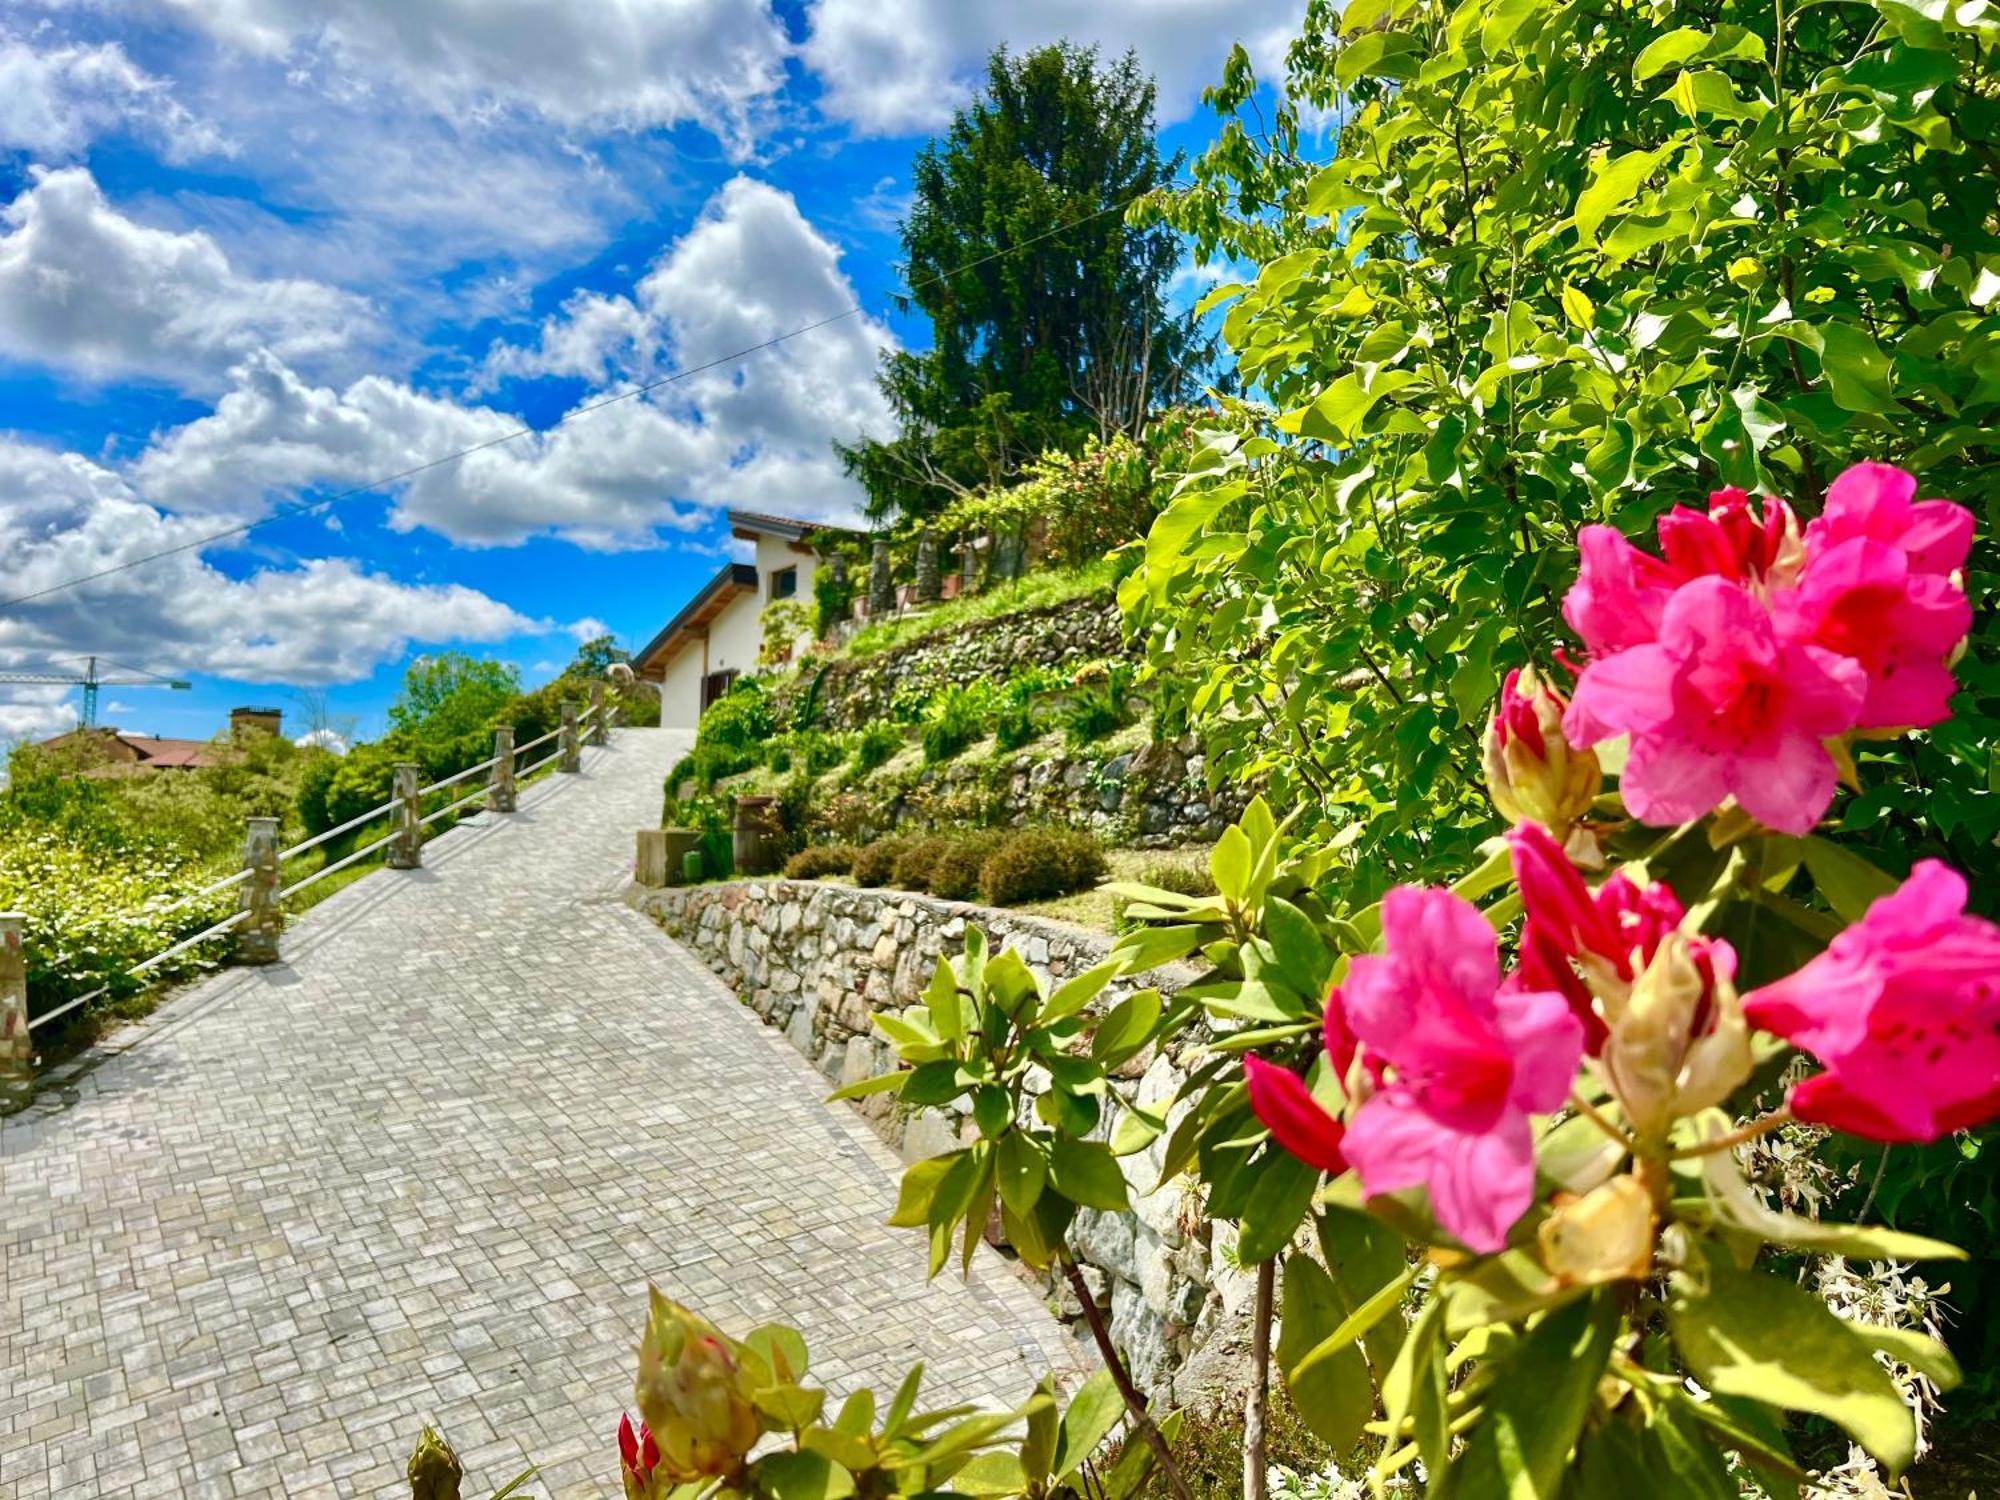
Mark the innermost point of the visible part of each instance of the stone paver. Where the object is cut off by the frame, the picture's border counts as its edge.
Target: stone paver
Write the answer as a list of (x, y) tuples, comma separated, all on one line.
[(424, 1169)]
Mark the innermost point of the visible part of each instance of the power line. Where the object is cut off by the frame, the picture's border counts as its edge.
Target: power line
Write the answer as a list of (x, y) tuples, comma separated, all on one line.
[(306, 507)]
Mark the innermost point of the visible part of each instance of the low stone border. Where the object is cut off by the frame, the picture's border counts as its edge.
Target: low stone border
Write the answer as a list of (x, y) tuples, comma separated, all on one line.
[(817, 961)]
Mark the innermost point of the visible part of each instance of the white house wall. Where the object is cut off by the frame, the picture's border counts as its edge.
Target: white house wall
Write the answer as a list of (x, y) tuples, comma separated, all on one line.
[(773, 555)]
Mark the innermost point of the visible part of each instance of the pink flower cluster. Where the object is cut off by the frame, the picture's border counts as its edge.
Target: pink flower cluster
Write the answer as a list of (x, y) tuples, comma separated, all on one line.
[(1452, 1062), (1733, 657)]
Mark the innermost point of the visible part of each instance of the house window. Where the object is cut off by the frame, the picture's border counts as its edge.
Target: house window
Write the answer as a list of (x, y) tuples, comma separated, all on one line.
[(714, 686), (784, 583)]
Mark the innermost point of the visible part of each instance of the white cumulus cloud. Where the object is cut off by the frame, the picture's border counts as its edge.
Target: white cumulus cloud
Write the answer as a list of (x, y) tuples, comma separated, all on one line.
[(900, 67), (59, 96), (88, 290)]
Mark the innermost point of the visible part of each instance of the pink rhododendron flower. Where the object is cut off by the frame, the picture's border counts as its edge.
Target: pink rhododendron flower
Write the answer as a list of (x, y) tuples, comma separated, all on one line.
[(1297, 1121), (1613, 932), (1862, 600), (1904, 1010), (1619, 593), (1874, 501), (1466, 1064), (1721, 706)]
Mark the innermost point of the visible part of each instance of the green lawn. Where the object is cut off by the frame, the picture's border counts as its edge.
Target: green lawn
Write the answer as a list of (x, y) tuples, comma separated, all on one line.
[(1035, 591)]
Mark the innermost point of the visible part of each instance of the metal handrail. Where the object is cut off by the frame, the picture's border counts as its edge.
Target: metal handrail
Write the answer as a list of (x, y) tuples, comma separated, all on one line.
[(435, 786), (526, 771), (139, 968)]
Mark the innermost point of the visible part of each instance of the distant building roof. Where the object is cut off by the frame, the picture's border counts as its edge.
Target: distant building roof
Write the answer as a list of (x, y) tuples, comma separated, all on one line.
[(121, 753), (731, 582)]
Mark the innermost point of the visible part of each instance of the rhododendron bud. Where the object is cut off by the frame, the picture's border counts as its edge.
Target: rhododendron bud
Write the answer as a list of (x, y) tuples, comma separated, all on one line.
[(1721, 706), (1904, 1010), (693, 1395), (1605, 1235), (638, 1457), (1297, 1121), (434, 1471), (1533, 773), (1677, 1041), (1465, 1061)]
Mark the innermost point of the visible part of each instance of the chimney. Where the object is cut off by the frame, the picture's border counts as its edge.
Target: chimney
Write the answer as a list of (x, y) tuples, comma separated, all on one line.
[(244, 722)]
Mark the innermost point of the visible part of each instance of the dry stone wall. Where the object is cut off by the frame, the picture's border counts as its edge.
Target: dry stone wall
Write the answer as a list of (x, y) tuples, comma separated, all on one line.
[(853, 693), (818, 961)]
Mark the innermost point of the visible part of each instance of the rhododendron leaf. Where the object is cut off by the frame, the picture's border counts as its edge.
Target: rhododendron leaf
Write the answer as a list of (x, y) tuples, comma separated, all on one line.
[(1076, 993), (933, 1083), (1659, 1459), (1536, 1406), (1755, 1336), (1229, 865), (1335, 1397), (1125, 1032), (881, 1083), (782, 1348), (992, 1110), (1358, 1323), (1301, 952), (1010, 985), (802, 1476), (1503, 1288), (946, 1010), (1850, 883), (849, 1450), (1413, 1390), (1093, 1412), (790, 1405), (857, 1414), (1279, 1201), (1086, 1173), (1022, 1171), (1745, 1427), (1149, 947), (919, 1190), (990, 1474)]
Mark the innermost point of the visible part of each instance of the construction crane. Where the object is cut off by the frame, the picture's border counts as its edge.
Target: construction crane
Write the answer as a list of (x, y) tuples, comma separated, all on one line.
[(92, 680)]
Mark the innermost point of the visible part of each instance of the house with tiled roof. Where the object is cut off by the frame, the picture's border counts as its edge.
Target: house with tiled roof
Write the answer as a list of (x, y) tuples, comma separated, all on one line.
[(718, 635), (102, 751)]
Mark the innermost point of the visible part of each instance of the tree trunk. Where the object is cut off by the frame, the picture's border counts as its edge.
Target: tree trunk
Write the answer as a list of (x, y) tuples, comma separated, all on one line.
[(1255, 1459)]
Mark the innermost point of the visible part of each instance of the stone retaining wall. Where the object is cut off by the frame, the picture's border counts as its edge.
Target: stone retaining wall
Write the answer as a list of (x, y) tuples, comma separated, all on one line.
[(855, 692), (818, 961)]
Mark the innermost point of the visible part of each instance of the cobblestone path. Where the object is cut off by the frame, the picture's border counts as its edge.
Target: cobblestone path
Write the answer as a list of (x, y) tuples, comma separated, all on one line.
[(423, 1170)]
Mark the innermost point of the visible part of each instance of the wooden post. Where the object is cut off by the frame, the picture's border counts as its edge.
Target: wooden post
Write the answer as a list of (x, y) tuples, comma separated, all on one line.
[(406, 851), (600, 716), (572, 753), (501, 797), (17, 1052), (257, 934)]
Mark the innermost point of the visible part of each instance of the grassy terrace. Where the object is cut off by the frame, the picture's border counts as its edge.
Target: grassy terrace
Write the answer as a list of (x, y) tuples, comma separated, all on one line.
[(1035, 591)]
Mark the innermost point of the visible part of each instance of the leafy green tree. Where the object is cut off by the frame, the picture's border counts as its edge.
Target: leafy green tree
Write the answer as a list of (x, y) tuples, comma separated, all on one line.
[(1046, 302), (1568, 264), (452, 694)]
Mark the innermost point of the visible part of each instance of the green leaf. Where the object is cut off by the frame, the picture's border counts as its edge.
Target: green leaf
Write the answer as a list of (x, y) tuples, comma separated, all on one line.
[(1277, 1205), (942, 997), (882, 1083), (802, 1476), (1919, 1351), (1229, 864), (994, 1473), (1150, 947), (920, 1189), (1125, 1032), (1301, 951), (1075, 994), (1086, 1173), (1335, 1396), (1850, 883), (1612, 187), (1022, 1171), (1092, 1413), (1755, 1336), (1357, 1324), (1414, 1389), (933, 1083), (1337, 416), (1536, 1406), (782, 1348)]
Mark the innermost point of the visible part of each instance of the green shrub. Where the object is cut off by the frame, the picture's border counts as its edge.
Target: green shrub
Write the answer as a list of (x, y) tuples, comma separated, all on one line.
[(955, 871), (778, 755), (1039, 863), (876, 862), (955, 719), (739, 720), (315, 781), (1013, 726), (877, 745), (817, 860), (912, 870)]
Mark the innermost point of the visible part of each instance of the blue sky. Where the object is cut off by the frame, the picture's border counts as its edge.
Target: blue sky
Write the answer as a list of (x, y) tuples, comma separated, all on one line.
[(258, 251)]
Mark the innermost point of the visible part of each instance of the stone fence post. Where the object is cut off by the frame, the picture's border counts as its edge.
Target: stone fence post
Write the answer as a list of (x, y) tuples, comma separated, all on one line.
[(501, 781), (930, 585), (406, 851), (17, 1051), (881, 588), (572, 754), (257, 934), (600, 716)]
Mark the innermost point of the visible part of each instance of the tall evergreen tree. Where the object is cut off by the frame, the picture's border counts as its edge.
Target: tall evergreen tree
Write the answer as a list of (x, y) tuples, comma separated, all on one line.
[(1047, 303)]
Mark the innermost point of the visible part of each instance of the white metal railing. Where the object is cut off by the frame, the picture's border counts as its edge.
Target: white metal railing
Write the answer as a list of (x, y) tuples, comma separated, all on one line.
[(408, 827)]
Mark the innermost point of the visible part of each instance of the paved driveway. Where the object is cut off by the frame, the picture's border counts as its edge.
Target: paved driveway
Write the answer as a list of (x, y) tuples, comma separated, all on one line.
[(424, 1169)]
